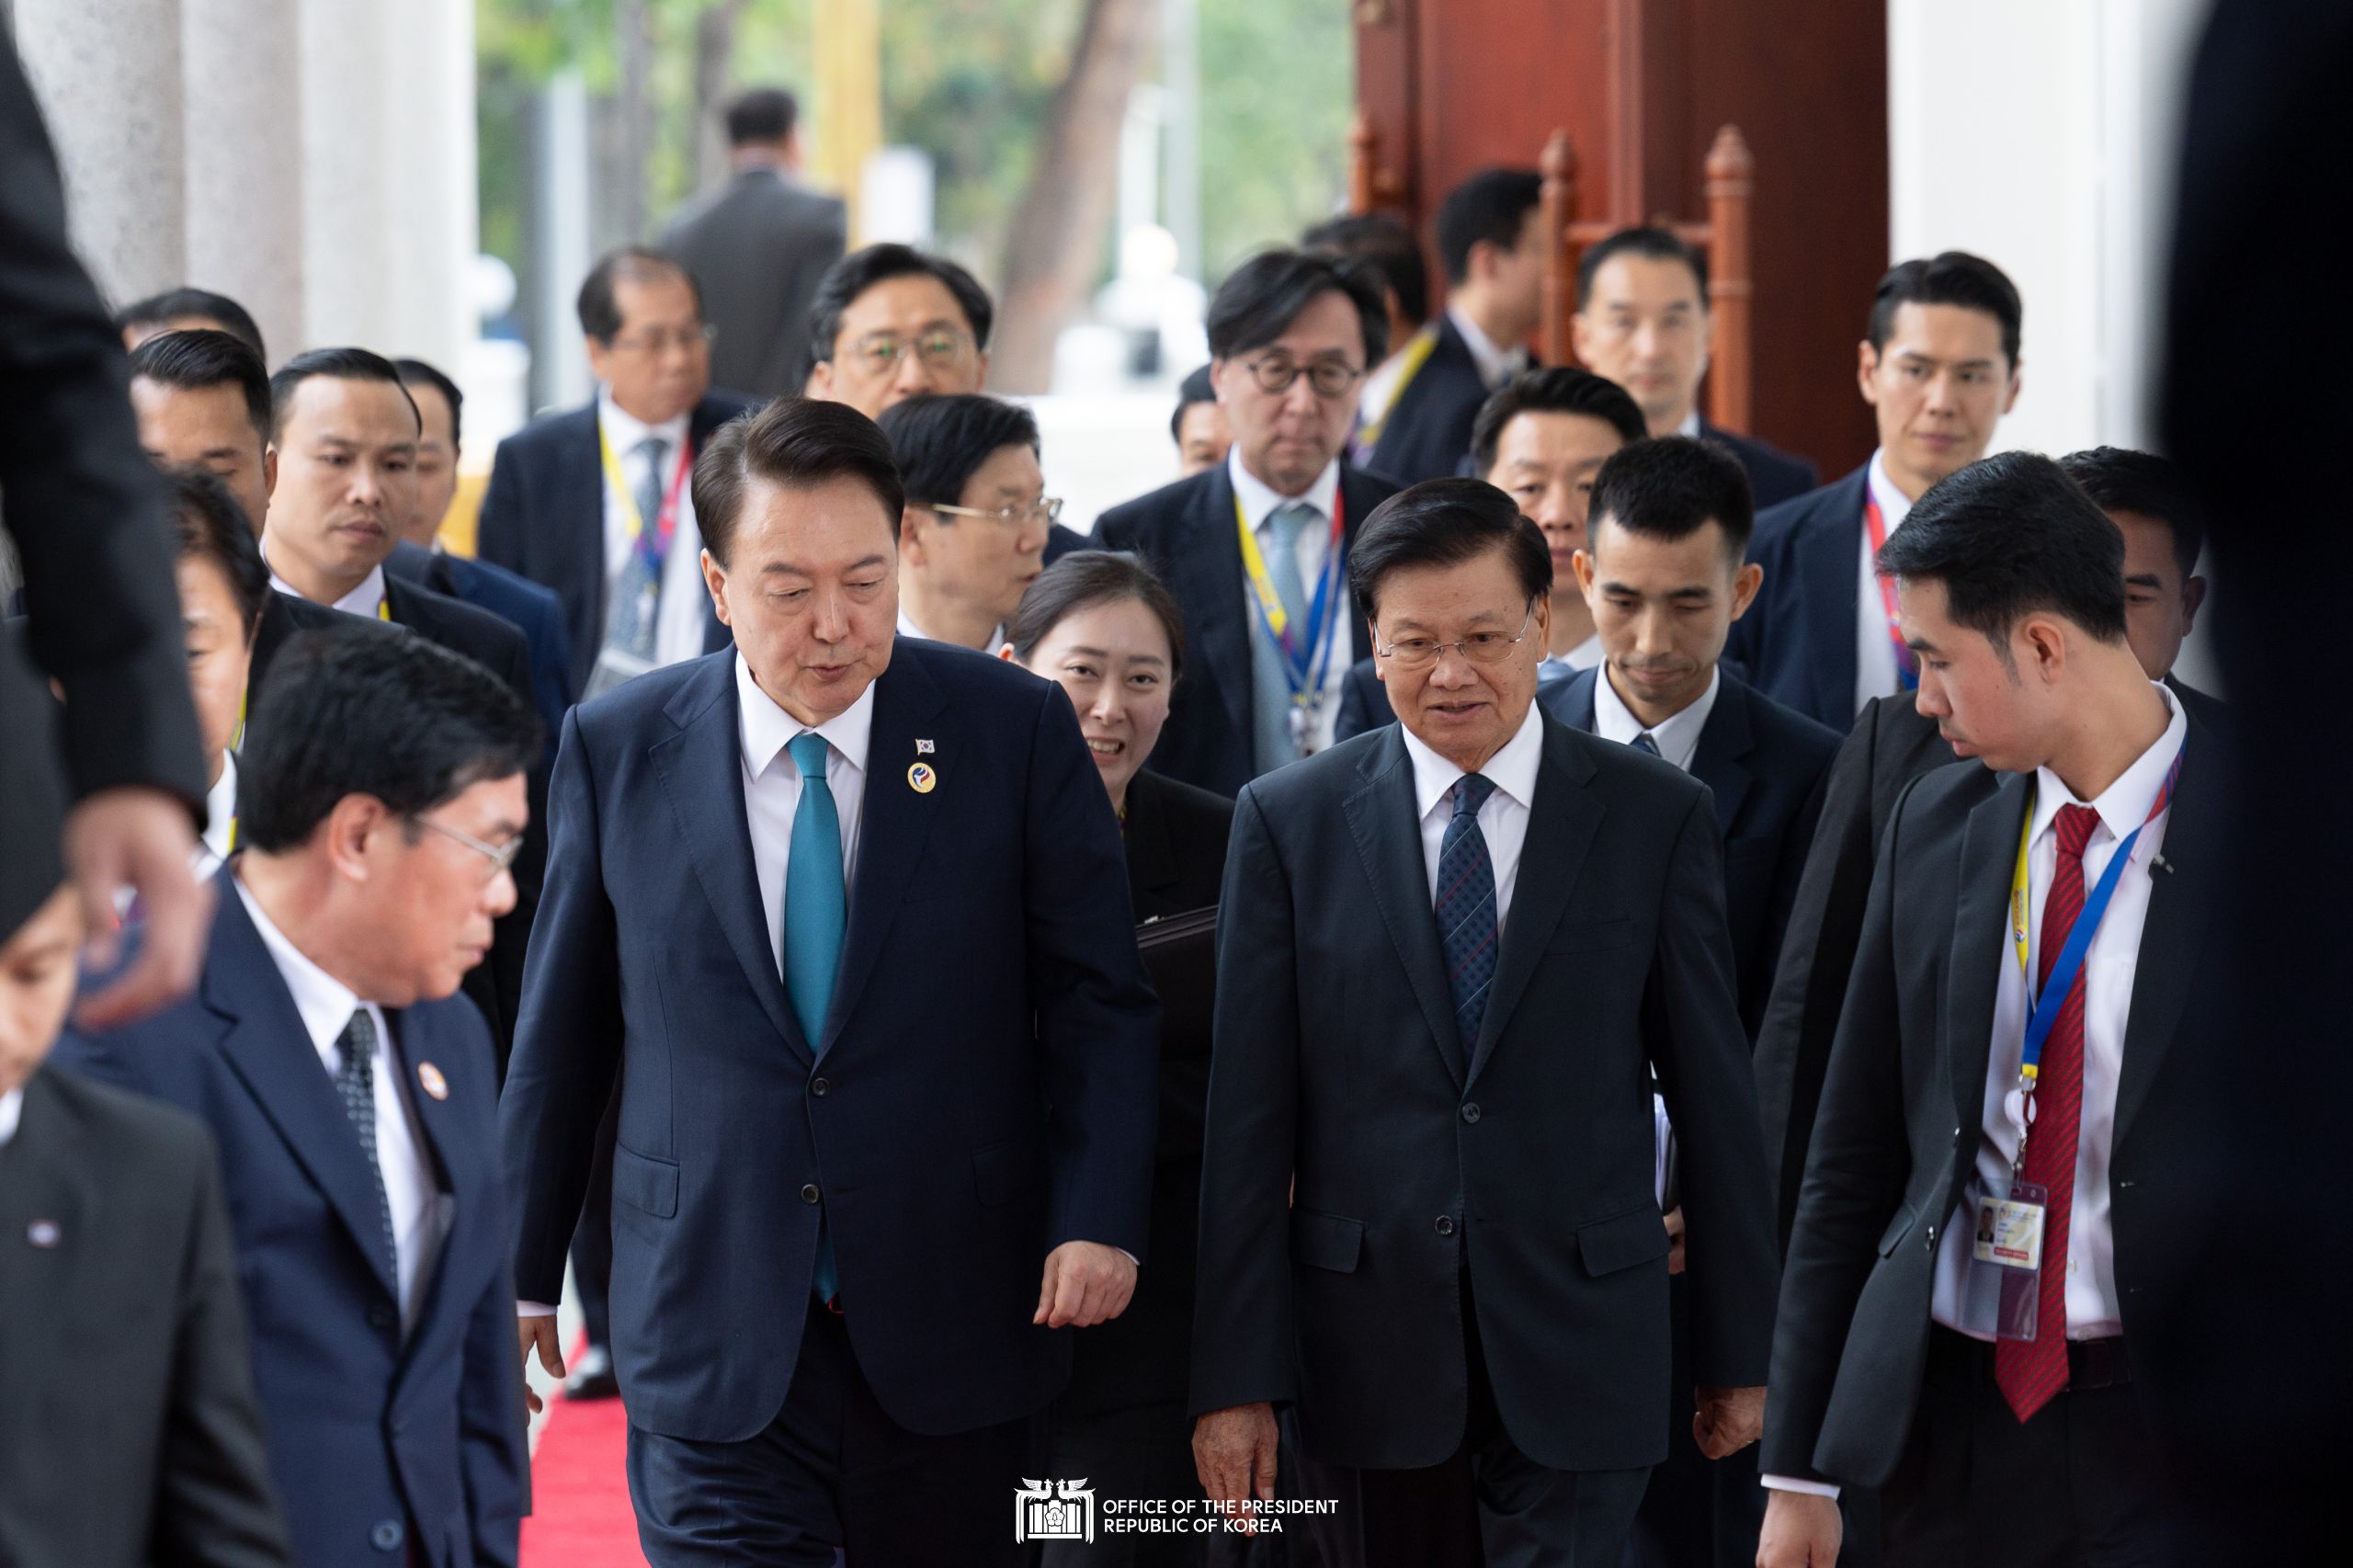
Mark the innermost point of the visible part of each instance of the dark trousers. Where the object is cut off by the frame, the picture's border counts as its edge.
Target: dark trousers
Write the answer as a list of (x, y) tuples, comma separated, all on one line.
[(592, 1243), (1698, 1513), (2081, 1485), (832, 1470)]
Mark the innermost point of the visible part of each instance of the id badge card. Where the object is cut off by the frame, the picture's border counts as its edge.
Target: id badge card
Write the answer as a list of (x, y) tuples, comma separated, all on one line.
[(2009, 1243)]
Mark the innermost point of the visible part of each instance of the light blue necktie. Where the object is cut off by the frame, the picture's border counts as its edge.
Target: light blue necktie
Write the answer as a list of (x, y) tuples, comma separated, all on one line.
[(816, 912), (1271, 692)]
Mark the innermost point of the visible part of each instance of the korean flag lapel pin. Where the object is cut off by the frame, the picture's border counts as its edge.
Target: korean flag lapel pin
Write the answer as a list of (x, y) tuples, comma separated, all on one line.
[(923, 777)]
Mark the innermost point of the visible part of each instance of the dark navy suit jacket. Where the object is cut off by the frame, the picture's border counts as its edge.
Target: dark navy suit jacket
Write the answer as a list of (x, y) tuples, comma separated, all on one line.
[(986, 1091), (1427, 433), (1186, 530), (543, 517), (1797, 641), (1764, 767), (377, 1442), (1774, 475), (514, 598)]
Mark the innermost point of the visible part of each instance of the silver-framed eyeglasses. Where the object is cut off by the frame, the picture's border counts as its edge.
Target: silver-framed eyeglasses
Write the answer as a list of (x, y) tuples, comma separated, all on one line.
[(1046, 508), (1479, 647), (654, 339), (942, 348), (1331, 379), (500, 856)]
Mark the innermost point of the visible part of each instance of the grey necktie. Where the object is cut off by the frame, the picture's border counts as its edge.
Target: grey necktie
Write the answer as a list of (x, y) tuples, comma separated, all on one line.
[(1274, 742), (356, 1084)]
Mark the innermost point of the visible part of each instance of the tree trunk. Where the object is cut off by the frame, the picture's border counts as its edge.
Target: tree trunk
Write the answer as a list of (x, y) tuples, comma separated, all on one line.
[(714, 46), (1056, 244)]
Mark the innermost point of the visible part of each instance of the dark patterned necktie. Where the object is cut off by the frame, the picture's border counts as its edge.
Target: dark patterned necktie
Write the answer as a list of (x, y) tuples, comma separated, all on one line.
[(1643, 743), (356, 1084), (1466, 907)]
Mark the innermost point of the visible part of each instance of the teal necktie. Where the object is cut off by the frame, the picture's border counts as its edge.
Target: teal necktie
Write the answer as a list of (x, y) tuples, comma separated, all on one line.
[(816, 912)]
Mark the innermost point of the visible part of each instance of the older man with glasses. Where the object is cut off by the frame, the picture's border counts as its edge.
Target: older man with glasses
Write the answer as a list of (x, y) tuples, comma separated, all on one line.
[(1256, 549)]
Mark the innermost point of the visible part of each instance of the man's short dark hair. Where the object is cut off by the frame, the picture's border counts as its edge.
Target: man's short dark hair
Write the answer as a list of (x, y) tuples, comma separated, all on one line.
[(1672, 487), (1652, 244), (862, 269), (1388, 247), (1949, 278), (1194, 388), (177, 304), (2010, 535), (1492, 205), (1554, 389), (1261, 297), (599, 304), (762, 114), (199, 358), (2119, 479), (794, 441), (1084, 579), (1445, 522), (397, 718), (938, 441), (343, 365), (417, 373), (208, 523)]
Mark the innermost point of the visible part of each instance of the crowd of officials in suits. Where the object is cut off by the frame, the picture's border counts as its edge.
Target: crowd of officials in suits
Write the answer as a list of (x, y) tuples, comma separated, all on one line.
[(1621, 1109)]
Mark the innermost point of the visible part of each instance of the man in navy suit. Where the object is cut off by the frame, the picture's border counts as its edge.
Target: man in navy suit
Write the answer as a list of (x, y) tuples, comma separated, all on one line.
[(1641, 321), (847, 913), (594, 504), (353, 1095), (1939, 367), (1491, 239), (1290, 333), (419, 558)]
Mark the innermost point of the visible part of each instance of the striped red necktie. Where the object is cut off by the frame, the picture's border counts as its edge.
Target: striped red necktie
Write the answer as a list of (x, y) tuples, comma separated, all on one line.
[(2029, 1372)]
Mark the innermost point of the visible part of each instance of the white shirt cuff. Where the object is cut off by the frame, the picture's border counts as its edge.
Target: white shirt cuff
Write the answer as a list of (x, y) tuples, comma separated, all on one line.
[(533, 1310), (1792, 1484)]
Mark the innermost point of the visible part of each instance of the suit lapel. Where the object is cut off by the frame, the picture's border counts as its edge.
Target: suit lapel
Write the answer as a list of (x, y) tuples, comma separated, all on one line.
[(1724, 741), (1358, 500), (1385, 823), (1571, 700), (442, 1140), (1152, 856), (1561, 823), (44, 1182), (582, 508), (701, 770), (1211, 558), (1980, 939), (1832, 572), (2183, 892), (893, 820)]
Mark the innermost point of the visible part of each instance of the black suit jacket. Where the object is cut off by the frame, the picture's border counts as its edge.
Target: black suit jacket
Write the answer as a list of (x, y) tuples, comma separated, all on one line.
[(1186, 530), (1797, 642), (1427, 433), (1062, 540), (1902, 1105), (1774, 475), (756, 247), (543, 517), (132, 1434), (1364, 703), (283, 615), (1764, 767), (1526, 1159)]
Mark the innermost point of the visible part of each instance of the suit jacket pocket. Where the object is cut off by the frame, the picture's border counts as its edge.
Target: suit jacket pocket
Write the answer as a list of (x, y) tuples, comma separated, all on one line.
[(1897, 1229), (1326, 1241), (1608, 1245), (644, 1184)]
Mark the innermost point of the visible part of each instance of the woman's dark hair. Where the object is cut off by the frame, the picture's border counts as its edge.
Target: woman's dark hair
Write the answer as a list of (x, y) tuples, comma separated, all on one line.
[(862, 269), (208, 522), (396, 718), (1084, 579), (1261, 297), (1554, 389), (939, 440), (1671, 488), (2010, 535), (1445, 522), (795, 441)]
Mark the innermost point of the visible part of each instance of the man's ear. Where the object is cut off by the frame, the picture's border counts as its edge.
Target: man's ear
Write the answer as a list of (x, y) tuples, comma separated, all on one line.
[(715, 579)]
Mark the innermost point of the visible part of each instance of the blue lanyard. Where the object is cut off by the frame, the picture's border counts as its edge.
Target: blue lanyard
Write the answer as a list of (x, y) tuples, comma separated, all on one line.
[(1305, 666)]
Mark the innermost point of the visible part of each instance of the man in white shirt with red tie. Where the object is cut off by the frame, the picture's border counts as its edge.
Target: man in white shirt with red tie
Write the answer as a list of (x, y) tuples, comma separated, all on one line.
[(1958, 1316)]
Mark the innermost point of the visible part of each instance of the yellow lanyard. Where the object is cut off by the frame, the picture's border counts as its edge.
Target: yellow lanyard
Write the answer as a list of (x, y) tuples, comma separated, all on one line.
[(1417, 354), (632, 519)]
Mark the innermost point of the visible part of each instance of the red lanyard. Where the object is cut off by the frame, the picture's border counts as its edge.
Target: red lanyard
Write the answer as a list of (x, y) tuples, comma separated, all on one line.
[(1907, 667)]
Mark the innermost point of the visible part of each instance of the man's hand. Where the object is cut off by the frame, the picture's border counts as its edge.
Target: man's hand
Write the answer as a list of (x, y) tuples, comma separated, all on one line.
[(1728, 1420), (1802, 1530), (1675, 1240), (139, 838), (1086, 1283), (1235, 1452), (539, 1330)]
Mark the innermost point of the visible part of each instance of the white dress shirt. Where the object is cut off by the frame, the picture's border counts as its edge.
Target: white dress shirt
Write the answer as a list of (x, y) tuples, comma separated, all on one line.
[(421, 1211), (12, 1110), (1876, 671), (220, 820), (367, 600), (1496, 364), (1677, 738), (907, 628), (1691, 425), (678, 617), (772, 785), (1502, 820), (1258, 501)]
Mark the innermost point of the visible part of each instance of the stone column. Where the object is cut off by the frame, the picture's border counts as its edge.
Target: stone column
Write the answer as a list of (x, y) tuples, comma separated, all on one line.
[(241, 85)]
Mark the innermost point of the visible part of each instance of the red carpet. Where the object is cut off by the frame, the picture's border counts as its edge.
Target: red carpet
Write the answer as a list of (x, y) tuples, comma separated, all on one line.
[(580, 1512)]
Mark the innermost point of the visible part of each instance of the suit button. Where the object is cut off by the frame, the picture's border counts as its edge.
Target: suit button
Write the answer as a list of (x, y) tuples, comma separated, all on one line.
[(380, 1317), (1471, 1112), (387, 1536), (1445, 1224), (819, 1087), (809, 1193), (1932, 1238)]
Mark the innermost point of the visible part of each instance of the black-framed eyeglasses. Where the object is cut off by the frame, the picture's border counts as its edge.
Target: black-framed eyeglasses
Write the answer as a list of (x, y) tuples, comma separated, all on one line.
[(1331, 379), (942, 348), (654, 339), (1479, 647), (1048, 508), (500, 856)]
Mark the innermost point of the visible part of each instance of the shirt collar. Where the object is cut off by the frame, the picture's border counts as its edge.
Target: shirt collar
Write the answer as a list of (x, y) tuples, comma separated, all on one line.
[(1691, 425), (1512, 770), (221, 808), (325, 1003), (1259, 499), (625, 430), (366, 600), (1585, 654), (2124, 805), (1676, 736), (1495, 365), (1894, 505), (907, 628), (12, 1110), (763, 728)]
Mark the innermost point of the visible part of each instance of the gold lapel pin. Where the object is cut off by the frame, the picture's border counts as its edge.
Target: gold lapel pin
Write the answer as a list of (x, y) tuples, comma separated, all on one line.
[(923, 777), (429, 1076)]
